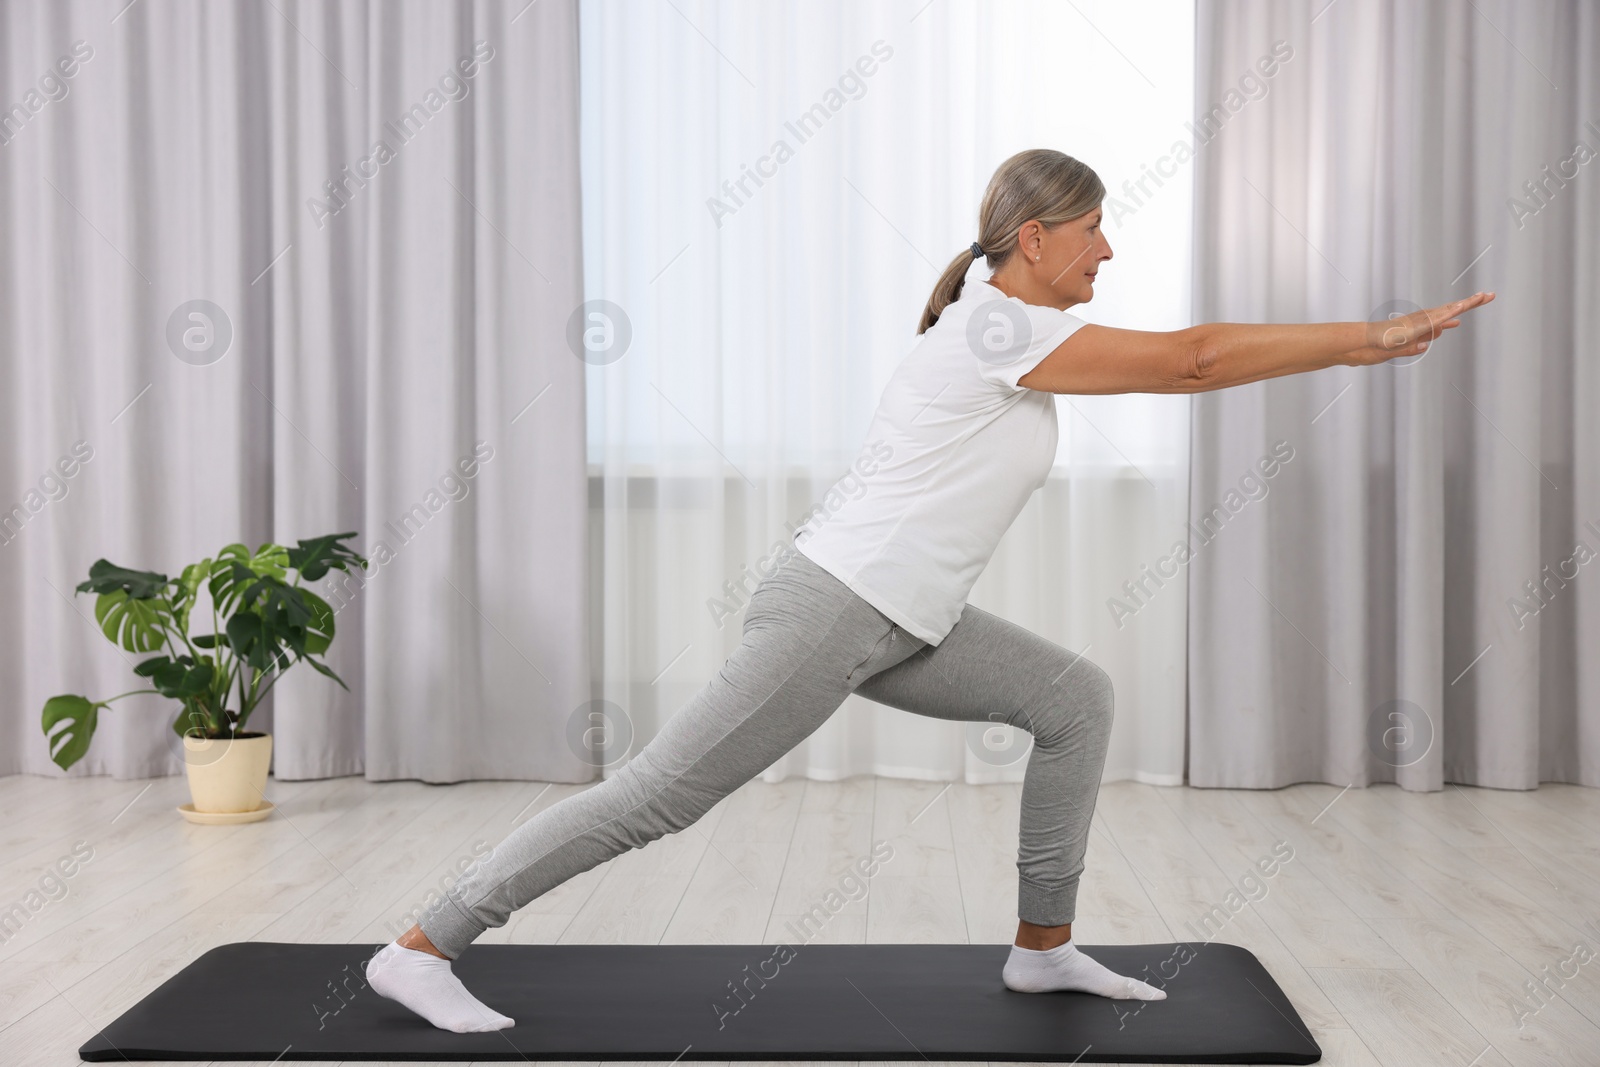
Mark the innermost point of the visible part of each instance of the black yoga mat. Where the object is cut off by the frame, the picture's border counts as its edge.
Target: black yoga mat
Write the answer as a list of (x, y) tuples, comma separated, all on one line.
[(270, 1001)]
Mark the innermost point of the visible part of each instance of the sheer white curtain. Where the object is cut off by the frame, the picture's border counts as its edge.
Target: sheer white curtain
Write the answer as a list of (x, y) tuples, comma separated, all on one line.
[(769, 194)]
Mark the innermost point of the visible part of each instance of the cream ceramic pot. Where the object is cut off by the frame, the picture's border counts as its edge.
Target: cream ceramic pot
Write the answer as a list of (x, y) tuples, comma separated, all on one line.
[(227, 774)]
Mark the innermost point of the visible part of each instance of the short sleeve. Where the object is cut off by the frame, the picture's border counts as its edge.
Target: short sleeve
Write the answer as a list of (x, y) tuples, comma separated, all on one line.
[(1009, 338)]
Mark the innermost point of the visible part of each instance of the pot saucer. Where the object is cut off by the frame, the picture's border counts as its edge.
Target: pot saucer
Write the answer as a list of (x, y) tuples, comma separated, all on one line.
[(222, 818)]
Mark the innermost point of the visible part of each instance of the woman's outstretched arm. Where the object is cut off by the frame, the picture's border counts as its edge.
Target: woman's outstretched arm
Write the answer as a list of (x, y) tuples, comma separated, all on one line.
[(1216, 355)]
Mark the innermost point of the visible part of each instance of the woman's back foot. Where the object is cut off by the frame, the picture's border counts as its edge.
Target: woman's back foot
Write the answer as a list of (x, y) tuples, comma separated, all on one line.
[(425, 983)]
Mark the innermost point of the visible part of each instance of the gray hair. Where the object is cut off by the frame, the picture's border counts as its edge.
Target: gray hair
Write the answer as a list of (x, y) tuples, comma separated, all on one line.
[(1039, 183)]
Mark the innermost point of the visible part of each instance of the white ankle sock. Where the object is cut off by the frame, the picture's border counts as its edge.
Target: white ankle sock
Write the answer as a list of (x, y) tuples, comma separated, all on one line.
[(424, 983), (1030, 970)]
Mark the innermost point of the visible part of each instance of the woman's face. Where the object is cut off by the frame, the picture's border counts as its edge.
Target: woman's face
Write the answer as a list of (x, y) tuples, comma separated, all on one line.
[(1065, 259)]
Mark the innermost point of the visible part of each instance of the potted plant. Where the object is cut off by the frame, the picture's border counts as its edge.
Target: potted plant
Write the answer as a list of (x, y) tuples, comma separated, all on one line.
[(261, 625)]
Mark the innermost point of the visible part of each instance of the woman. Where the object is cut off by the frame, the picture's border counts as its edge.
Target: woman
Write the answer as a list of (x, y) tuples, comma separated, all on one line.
[(875, 600)]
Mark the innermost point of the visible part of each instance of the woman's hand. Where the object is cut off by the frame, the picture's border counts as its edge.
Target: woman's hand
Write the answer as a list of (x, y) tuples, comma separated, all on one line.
[(1409, 335)]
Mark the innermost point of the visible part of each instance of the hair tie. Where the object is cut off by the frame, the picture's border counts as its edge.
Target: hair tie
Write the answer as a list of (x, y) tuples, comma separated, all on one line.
[(976, 250)]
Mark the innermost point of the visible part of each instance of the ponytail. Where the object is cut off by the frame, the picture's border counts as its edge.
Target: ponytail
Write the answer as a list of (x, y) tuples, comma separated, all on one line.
[(1039, 183), (948, 289)]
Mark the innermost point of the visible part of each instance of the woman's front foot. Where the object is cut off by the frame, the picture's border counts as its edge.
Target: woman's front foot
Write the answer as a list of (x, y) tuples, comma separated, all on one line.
[(1056, 965)]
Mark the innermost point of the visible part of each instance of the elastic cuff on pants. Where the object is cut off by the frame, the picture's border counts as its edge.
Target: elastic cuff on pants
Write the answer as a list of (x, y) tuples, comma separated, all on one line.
[(1046, 907), (449, 928)]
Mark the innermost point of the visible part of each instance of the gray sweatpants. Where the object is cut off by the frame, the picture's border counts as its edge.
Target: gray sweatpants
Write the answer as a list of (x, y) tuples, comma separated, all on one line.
[(809, 641)]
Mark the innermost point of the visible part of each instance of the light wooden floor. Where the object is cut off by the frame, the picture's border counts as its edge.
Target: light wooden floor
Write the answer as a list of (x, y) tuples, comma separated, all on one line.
[(1405, 929)]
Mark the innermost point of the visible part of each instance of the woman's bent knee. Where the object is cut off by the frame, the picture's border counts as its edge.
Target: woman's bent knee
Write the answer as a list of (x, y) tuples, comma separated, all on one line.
[(1081, 697)]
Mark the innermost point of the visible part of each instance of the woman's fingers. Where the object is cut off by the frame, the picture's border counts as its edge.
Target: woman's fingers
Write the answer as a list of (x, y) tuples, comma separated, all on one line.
[(1456, 307), (1448, 316), (1407, 331)]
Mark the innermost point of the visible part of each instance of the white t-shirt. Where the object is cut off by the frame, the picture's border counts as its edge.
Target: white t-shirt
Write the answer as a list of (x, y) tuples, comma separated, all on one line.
[(955, 449)]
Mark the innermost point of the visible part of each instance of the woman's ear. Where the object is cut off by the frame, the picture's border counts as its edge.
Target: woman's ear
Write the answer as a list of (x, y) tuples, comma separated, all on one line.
[(1028, 239)]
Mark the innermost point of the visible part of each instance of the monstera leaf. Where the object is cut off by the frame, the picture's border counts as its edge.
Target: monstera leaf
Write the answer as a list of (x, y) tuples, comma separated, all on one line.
[(187, 592), (235, 568), (314, 558), (136, 625), (70, 743), (181, 678), (131, 608), (107, 577), (244, 637), (319, 631), (283, 611)]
